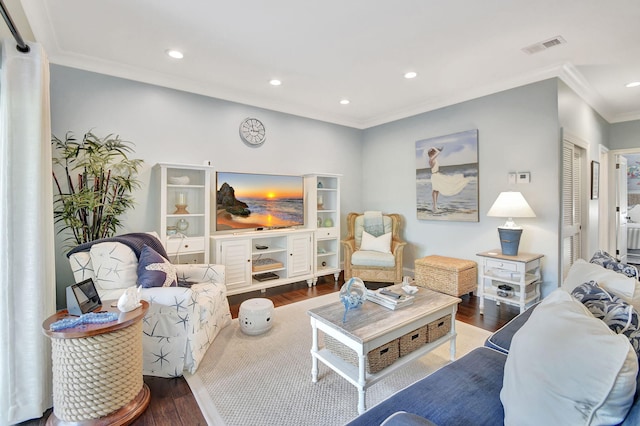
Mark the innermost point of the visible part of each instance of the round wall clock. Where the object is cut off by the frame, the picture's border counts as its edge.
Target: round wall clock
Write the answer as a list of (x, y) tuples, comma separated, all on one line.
[(252, 131)]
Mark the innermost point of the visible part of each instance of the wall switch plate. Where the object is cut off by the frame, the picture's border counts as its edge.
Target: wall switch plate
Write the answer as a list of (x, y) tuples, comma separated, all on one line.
[(512, 178), (524, 177)]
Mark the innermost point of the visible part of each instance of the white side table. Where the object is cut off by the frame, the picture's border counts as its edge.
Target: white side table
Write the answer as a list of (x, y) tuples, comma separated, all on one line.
[(521, 272)]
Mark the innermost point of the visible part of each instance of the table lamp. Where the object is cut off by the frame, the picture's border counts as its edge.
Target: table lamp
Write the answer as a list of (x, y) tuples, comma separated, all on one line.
[(510, 204)]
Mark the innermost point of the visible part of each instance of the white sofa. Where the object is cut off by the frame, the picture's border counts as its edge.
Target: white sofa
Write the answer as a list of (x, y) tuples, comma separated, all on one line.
[(182, 322)]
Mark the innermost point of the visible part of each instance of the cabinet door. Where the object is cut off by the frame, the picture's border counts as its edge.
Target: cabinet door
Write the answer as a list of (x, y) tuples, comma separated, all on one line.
[(299, 255), (236, 257)]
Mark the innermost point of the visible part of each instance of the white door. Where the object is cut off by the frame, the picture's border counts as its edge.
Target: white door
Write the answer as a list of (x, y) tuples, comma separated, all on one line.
[(299, 254), (235, 255), (622, 213), (573, 190)]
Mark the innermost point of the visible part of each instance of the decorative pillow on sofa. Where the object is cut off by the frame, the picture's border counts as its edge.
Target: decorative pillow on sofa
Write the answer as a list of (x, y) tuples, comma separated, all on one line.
[(622, 286), (371, 243), (154, 270), (605, 260), (114, 265), (619, 316), (570, 363)]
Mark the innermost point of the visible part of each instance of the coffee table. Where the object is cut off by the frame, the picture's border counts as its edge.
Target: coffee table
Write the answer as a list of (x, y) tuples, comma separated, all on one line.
[(371, 326)]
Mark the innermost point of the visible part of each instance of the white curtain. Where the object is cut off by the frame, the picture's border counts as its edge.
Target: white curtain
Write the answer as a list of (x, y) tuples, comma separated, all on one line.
[(27, 268)]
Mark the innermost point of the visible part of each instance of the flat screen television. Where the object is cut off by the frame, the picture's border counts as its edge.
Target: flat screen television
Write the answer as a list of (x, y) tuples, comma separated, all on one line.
[(258, 201)]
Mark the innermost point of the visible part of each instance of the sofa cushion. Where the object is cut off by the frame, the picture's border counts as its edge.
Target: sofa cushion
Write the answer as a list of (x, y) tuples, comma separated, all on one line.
[(373, 258), (381, 243), (501, 339), (154, 270), (622, 286), (605, 260), (465, 392), (115, 265), (570, 363), (619, 316)]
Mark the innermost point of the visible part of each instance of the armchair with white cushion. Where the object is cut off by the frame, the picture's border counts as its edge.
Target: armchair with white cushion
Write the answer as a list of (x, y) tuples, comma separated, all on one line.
[(182, 321), (373, 248)]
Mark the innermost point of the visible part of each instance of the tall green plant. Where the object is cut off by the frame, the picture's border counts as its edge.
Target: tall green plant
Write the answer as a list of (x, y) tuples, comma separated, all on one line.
[(97, 178)]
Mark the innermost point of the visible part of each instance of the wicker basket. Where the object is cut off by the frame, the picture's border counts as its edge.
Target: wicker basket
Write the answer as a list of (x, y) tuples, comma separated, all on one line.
[(448, 275), (412, 341), (438, 328), (377, 359)]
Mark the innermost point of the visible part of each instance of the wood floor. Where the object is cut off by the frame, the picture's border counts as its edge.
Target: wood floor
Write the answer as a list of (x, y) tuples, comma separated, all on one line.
[(173, 404)]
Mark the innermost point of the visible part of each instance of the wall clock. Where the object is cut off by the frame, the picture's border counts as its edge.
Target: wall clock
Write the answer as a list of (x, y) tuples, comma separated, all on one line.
[(252, 131)]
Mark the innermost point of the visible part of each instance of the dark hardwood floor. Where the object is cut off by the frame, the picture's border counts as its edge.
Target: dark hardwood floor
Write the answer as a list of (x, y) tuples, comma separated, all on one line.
[(173, 404)]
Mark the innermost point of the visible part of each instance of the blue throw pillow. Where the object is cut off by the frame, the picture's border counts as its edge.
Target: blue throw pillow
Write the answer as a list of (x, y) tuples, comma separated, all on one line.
[(154, 270), (605, 260), (619, 316)]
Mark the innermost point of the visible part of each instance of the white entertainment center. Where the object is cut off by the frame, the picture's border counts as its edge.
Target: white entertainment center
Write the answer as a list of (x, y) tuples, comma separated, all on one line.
[(254, 259)]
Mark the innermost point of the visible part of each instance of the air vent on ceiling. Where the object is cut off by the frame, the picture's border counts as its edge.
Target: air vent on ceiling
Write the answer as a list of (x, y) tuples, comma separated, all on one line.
[(544, 45)]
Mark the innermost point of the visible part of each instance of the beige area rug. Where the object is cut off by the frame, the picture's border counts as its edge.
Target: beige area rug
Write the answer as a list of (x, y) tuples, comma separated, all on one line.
[(266, 380)]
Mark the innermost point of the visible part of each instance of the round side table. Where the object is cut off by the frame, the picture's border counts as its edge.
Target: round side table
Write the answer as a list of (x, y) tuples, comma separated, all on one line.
[(97, 370)]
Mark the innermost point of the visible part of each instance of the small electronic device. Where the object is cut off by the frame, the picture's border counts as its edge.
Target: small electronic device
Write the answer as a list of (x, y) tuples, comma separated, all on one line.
[(390, 294), (83, 297)]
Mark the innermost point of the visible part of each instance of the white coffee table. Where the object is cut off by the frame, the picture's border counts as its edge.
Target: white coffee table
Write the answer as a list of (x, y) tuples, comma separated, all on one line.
[(371, 326)]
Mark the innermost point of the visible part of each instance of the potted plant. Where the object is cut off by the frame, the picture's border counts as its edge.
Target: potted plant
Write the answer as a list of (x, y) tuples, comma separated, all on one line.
[(97, 178)]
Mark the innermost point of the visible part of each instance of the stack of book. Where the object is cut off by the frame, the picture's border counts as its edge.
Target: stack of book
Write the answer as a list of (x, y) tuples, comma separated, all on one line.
[(389, 299)]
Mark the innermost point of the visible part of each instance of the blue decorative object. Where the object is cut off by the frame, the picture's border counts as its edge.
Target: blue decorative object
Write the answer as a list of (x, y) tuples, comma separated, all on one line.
[(352, 295), (90, 318)]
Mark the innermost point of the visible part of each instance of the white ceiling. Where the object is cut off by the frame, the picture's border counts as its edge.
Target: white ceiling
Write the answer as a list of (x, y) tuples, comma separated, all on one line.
[(357, 49)]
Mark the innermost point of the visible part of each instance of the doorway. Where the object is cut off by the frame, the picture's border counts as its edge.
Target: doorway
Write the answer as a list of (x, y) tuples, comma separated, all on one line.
[(627, 207)]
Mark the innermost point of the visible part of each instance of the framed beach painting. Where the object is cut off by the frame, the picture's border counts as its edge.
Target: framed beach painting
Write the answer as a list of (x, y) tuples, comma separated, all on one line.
[(447, 177)]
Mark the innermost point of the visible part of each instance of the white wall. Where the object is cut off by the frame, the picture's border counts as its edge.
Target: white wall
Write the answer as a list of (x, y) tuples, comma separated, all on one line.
[(518, 131), (171, 126)]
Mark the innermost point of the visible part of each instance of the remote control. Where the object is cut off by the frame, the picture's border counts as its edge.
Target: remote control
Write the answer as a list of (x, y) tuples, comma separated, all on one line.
[(390, 294)]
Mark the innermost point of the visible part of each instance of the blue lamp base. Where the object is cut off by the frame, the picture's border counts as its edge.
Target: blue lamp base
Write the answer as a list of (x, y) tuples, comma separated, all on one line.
[(509, 240)]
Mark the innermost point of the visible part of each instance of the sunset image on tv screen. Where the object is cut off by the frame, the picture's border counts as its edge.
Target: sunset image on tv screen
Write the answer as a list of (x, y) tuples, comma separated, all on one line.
[(247, 200)]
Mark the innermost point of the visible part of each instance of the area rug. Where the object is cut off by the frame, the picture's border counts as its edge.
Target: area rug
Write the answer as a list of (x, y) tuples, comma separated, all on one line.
[(266, 380)]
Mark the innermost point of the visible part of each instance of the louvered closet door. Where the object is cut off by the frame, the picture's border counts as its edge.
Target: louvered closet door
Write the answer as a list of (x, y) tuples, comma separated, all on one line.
[(572, 193)]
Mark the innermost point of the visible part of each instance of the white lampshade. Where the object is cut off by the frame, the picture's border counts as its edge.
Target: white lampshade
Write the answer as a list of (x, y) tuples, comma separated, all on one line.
[(510, 204)]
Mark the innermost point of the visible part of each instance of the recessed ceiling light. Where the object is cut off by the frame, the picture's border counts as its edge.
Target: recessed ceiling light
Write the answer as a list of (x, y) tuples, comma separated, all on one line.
[(175, 54), (633, 84), (411, 74), (275, 82), (344, 101)]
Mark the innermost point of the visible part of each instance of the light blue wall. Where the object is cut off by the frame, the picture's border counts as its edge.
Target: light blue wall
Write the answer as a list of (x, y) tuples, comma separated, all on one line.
[(518, 132), (579, 120), (171, 126), (625, 135)]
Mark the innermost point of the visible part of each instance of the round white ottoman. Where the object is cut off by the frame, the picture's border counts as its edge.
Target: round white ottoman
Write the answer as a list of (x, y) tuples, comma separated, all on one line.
[(256, 316)]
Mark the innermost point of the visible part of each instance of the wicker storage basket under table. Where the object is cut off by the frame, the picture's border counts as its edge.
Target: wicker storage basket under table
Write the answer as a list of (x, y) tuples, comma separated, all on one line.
[(412, 341), (438, 328), (448, 275), (377, 359)]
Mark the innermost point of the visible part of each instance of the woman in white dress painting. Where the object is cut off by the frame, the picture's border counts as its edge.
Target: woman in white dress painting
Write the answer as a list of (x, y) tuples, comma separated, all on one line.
[(447, 185)]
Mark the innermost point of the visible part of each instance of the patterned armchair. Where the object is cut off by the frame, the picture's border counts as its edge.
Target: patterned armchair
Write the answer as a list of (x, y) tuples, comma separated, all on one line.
[(378, 265), (182, 322)]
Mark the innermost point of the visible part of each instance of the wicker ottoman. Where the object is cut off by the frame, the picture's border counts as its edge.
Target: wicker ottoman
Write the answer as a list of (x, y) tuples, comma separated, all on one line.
[(448, 275)]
